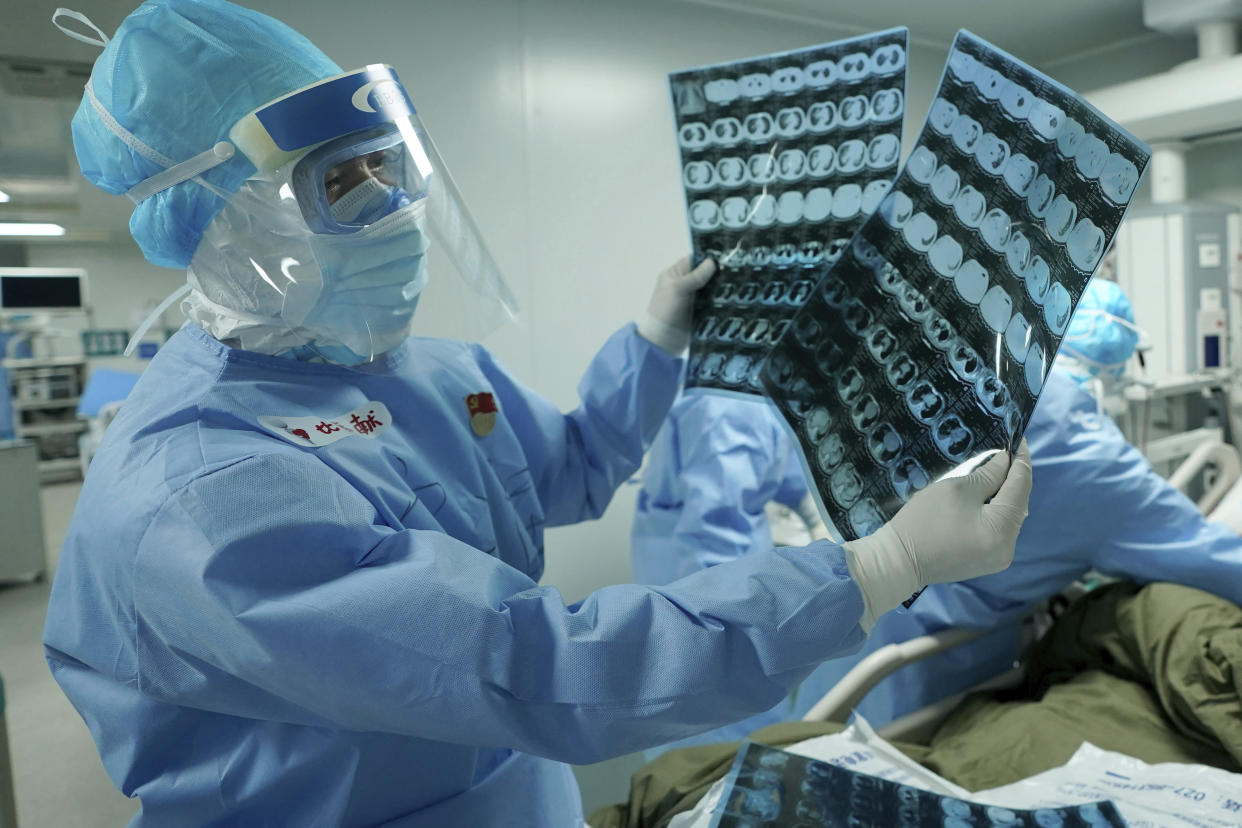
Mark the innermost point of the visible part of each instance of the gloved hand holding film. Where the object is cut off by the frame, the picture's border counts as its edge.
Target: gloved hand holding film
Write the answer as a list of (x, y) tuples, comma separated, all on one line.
[(955, 529), (668, 320)]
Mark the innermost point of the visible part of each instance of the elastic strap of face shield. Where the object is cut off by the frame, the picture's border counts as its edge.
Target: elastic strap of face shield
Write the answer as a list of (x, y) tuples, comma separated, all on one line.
[(1086, 362), (152, 316), (185, 171), (1098, 381), (1098, 313), (1079, 368), (175, 172)]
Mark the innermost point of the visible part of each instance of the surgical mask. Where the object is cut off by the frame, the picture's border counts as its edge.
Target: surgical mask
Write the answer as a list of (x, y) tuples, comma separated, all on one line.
[(372, 280), (263, 283)]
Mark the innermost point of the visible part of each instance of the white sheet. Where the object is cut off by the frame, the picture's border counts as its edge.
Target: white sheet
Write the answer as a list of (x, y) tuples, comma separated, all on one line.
[(1148, 796)]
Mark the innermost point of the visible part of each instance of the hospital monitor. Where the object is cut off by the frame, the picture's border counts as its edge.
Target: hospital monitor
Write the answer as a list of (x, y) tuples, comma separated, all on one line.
[(42, 289)]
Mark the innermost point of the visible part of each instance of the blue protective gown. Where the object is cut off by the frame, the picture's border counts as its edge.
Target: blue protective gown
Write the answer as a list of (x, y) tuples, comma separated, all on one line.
[(713, 468), (260, 632), (1096, 503)]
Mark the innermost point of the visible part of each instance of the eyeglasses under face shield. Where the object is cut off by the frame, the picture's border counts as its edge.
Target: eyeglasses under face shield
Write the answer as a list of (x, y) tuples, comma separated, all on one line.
[(353, 181)]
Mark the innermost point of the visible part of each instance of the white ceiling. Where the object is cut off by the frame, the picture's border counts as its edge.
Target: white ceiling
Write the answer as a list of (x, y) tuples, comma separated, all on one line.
[(1043, 33), (1039, 32)]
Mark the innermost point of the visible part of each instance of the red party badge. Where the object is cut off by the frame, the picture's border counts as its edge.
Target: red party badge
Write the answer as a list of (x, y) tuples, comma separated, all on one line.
[(482, 410)]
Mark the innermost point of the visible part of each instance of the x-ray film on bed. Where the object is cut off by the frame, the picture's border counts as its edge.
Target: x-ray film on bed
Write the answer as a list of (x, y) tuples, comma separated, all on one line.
[(768, 786), (928, 343), (783, 157)]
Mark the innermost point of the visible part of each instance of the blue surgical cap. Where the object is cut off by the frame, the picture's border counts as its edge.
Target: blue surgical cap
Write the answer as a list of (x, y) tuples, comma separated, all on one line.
[(178, 74), (1095, 333)]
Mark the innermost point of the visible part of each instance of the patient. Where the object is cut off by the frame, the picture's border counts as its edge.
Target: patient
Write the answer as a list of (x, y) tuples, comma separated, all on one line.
[(1153, 673)]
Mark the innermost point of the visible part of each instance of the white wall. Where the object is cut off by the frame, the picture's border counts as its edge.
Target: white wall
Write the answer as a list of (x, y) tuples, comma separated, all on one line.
[(1213, 169)]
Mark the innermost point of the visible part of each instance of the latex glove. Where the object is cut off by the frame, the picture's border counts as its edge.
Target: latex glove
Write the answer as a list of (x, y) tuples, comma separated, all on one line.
[(948, 532), (809, 512), (667, 323)]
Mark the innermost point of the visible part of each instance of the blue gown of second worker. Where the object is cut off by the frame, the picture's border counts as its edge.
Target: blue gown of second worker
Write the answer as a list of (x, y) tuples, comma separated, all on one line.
[(713, 468), (353, 634)]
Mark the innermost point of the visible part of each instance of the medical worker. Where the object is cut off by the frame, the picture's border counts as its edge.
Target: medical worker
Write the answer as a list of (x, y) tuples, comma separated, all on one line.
[(712, 471), (300, 586), (1096, 504)]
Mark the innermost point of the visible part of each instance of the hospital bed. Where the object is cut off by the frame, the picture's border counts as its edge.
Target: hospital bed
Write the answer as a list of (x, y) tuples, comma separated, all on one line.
[(917, 726)]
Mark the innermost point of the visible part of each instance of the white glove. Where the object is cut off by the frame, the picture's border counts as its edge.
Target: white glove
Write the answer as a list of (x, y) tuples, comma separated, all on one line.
[(667, 323), (948, 532)]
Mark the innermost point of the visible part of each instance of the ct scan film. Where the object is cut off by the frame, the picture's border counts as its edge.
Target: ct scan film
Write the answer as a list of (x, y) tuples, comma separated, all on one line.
[(783, 157), (767, 786), (928, 343)]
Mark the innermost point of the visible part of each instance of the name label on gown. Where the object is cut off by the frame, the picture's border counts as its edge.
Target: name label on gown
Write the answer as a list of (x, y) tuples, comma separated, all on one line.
[(369, 421)]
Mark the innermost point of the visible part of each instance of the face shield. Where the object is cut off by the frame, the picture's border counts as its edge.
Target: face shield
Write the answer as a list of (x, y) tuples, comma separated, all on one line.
[(350, 221)]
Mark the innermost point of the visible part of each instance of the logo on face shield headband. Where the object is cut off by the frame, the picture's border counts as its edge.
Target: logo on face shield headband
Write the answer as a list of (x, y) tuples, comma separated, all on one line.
[(385, 97)]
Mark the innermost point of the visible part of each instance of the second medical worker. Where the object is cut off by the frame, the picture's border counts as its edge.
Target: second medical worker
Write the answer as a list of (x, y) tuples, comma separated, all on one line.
[(300, 586)]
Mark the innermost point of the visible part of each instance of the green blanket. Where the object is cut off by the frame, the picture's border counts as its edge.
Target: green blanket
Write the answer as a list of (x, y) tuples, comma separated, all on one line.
[(1154, 673)]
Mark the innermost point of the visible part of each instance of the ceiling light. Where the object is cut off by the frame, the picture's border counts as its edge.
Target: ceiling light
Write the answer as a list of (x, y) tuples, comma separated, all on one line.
[(21, 228), (3, 196)]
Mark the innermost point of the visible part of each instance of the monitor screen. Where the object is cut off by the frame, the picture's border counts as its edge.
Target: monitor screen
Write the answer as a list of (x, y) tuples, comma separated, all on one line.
[(40, 291)]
